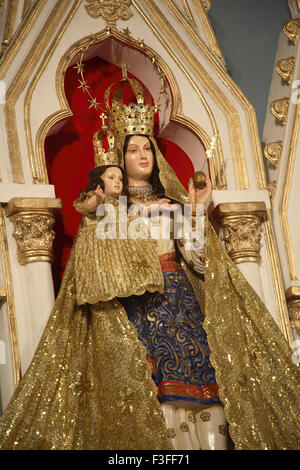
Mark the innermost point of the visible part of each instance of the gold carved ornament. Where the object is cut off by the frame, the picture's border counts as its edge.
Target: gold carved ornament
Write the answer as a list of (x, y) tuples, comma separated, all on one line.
[(291, 29), (33, 221), (34, 236), (241, 235), (279, 109), (184, 427), (110, 10), (205, 416), (171, 433), (272, 153), (285, 68)]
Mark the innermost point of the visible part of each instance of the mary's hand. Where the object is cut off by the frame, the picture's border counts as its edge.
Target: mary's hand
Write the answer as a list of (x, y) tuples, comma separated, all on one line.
[(199, 196), (163, 204), (153, 207)]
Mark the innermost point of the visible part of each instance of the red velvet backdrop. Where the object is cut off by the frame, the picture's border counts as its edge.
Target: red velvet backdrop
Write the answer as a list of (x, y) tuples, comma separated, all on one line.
[(70, 155)]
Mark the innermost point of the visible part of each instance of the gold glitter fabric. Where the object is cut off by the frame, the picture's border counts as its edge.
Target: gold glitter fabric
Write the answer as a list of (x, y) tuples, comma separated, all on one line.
[(89, 385), (258, 382), (110, 268), (78, 204)]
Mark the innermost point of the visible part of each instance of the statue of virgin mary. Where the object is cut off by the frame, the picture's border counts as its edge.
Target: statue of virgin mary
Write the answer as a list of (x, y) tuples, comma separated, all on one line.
[(189, 313)]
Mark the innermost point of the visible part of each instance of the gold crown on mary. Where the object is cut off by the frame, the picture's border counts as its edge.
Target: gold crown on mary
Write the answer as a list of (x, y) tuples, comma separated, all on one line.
[(134, 118)]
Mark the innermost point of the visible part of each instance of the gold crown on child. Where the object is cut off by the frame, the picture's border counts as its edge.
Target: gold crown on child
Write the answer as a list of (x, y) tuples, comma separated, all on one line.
[(134, 118), (102, 157)]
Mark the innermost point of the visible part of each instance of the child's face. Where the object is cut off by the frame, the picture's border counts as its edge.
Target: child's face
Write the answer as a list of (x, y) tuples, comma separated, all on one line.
[(113, 181)]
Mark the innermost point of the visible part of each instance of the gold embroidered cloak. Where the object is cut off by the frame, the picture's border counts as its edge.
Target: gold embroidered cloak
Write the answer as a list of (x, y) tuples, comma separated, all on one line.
[(89, 385)]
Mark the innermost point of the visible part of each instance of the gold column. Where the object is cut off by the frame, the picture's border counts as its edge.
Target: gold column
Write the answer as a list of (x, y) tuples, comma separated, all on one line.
[(293, 303), (240, 223), (33, 220)]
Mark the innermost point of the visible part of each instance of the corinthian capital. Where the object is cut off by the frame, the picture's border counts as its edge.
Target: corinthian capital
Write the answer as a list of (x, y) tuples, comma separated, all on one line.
[(33, 220), (240, 225)]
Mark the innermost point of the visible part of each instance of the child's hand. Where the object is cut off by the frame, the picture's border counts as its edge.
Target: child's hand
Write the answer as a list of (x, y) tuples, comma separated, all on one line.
[(99, 195)]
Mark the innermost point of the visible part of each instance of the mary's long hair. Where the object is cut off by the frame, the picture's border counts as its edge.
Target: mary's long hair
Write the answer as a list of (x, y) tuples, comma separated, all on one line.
[(154, 178)]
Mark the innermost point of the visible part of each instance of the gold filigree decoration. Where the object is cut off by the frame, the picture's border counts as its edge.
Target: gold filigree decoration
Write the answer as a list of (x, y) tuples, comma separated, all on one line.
[(110, 10), (33, 227), (205, 416), (291, 29), (272, 152), (285, 68), (171, 433), (222, 430), (184, 427), (279, 109), (271, 187)]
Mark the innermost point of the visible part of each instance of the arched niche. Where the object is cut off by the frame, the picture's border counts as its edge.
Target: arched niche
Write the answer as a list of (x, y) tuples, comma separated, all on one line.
[(67, 136)]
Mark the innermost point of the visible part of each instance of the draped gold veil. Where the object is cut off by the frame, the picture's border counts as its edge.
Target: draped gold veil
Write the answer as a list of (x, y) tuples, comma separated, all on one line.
[(258, 381)]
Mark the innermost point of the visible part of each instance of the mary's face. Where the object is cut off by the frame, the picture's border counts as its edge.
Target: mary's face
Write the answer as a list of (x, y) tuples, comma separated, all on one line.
[(139, 158)]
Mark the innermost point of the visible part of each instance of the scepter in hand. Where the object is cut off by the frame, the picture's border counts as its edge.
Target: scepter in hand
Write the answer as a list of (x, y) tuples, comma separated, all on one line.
[(199, 178)]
